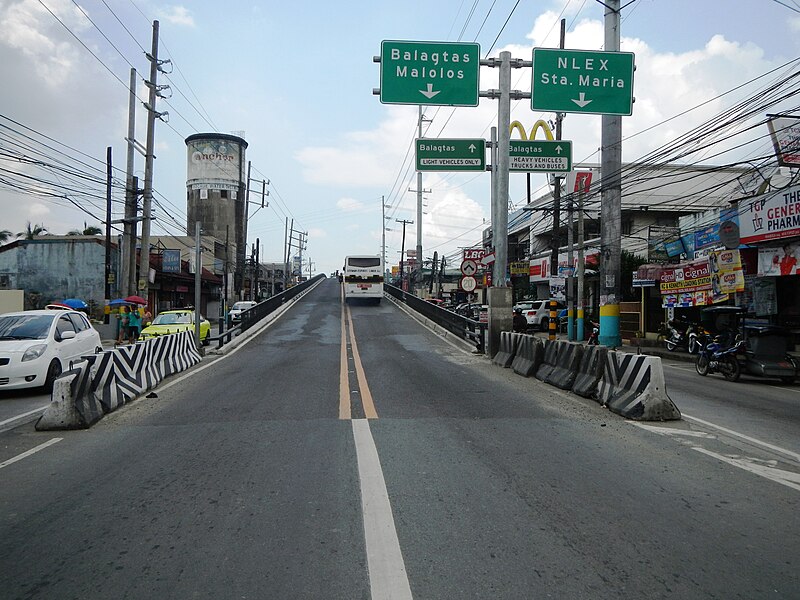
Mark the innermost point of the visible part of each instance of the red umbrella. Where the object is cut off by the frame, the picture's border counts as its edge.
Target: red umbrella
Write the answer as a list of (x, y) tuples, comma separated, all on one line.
[(136, 300)]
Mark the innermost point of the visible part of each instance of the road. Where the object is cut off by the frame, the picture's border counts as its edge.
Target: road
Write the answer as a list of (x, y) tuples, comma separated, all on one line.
[(391, 466)]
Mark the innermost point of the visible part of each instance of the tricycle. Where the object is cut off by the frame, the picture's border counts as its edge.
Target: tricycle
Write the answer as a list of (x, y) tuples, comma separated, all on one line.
[(760, 350)]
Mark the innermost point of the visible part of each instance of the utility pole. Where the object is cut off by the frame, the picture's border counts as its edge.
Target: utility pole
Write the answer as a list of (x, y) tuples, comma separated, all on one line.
[(553, 321), (128, 277), (198, 270), (286, 253), (611, 202), (499, 294), (403, 248), (581, 265), (147, 193), (419, 191), (383, 233), (256, 270), (108, 230)]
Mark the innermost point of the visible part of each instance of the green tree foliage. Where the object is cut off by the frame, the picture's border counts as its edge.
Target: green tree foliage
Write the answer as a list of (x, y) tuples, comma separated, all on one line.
[(31, 231), (630, 262)]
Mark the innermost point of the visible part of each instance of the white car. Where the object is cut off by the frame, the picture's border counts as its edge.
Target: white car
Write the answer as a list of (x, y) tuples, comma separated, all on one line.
[(238, 308), (537, 312), (37, 345)]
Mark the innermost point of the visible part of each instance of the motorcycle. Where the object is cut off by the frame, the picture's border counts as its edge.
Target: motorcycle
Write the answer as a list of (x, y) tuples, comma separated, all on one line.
[(717, 358), (594, 336), (698, 337), (682, 334)]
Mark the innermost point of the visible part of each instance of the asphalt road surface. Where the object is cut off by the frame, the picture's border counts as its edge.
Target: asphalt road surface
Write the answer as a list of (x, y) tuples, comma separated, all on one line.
[(347, 452)]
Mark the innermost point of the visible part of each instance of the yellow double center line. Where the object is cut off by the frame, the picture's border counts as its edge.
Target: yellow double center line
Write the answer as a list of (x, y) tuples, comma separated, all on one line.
[(345, 393)]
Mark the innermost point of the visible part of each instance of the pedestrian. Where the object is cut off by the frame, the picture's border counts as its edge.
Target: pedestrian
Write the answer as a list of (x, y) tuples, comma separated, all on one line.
[(124, 314), (134, 321), (519, 323), (147, 319)]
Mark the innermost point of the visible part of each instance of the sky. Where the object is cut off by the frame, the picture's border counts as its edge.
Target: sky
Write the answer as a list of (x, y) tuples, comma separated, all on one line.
[(298, 81)]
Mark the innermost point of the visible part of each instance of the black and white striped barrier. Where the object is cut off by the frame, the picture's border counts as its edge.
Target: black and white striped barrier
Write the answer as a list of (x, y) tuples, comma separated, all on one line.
[(590, 371), (101, 383), (528, 357), (633, 386), (549, 362), (567, 362), (508, 348)]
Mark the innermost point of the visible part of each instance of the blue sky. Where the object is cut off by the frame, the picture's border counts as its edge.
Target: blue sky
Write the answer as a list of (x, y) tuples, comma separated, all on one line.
[(297, 78)]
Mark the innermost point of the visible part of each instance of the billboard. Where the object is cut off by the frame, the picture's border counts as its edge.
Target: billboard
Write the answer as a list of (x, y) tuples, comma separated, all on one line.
[(215, 160), (770, 216), (171, 261), (785, 132)]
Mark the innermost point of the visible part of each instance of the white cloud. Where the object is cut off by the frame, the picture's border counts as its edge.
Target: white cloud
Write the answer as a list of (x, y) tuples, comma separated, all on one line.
[(349, 204), (28, 27), (177, 15), (317, 233)]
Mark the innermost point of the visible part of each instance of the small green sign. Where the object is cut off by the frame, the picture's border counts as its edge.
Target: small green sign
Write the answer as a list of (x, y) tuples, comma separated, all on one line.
[(451, 155), (431, 73), (580, 81), (540, 156)]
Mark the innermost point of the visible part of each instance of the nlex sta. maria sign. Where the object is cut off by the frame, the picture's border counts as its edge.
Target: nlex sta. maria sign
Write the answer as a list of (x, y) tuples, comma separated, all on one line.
[(581, 81)]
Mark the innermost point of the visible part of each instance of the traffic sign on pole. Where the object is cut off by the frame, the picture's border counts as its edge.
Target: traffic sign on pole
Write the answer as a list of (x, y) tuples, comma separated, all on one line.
[(468, 284), (581, 81), (430, 73), (469, 267), (451, 154), (540, 156)]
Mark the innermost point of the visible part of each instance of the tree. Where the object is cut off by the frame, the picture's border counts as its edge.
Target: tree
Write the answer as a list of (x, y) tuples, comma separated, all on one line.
[(31, 231), (629, 263), (87, 230), (5, 234)]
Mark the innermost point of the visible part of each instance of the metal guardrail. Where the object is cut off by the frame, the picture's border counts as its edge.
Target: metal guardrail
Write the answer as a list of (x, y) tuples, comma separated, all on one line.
[(252, 316), (467, 329)]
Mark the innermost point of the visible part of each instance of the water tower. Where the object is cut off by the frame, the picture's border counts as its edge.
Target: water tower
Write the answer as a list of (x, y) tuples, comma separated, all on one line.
[(216, 186)]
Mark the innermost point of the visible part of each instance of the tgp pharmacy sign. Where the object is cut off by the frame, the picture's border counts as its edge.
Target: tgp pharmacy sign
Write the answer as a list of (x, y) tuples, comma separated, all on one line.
[(771, 216)]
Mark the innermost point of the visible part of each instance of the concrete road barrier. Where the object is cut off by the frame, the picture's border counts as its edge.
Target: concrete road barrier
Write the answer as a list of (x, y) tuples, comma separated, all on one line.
[(633, 386), (567, 364), (549, 361), (590, 371), (528, 357), (102, 383), (72, 404), (508, 348)]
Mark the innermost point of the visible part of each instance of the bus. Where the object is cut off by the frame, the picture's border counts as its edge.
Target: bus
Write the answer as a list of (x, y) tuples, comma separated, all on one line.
[(362, 277)]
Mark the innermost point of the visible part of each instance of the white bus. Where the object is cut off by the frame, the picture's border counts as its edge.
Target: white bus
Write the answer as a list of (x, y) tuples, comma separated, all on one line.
[(362, 277)]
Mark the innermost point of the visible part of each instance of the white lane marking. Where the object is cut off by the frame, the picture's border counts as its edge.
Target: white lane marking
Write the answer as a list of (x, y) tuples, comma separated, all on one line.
[(23, 415), (670, 431), (387, 571), (787, 478), (11, 461), (752, 440)]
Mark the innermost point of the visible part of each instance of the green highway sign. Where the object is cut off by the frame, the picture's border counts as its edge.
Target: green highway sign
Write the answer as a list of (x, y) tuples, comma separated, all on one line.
[(450, 155), (580, 81), (432, 73), (540, 156)]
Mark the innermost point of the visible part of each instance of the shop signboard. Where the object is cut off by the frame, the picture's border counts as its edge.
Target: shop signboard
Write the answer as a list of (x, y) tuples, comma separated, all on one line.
[(663, 243), (708, 236), (779, 260), (171, 261), (785, 132), (772, 216), (727, 276), (687, 284)]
